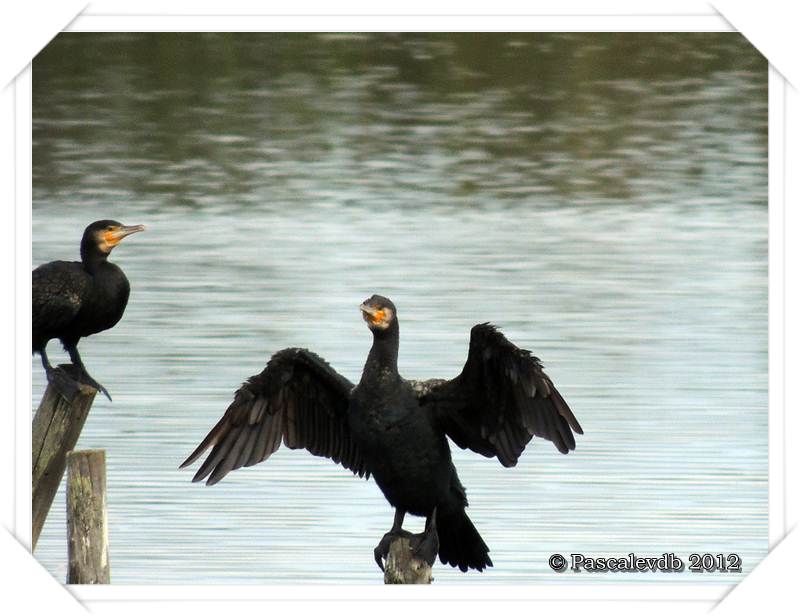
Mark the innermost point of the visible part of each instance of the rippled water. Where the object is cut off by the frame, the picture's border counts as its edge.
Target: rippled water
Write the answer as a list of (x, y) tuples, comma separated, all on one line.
[(601, 197)]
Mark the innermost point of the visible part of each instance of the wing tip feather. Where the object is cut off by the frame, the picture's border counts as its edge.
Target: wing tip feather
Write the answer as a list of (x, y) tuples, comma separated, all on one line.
[(269, 394)]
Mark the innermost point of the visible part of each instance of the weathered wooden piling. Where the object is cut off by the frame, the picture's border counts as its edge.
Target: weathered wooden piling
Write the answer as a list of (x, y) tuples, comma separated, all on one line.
[(56, 428), (87, 518), (403, 568)]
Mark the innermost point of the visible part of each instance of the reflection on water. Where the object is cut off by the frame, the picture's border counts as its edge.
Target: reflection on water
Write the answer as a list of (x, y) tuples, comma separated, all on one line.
[(601, 197)]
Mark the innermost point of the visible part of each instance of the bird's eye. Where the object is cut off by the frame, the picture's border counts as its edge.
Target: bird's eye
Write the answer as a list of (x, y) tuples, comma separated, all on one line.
[(109, 228)]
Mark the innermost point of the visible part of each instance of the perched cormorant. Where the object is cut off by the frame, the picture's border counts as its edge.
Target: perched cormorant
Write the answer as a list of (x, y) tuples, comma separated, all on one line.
[(74, 299), (396, 430)]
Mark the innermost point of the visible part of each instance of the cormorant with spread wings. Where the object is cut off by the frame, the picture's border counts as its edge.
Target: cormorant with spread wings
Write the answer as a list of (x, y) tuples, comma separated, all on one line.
[(396, 430)]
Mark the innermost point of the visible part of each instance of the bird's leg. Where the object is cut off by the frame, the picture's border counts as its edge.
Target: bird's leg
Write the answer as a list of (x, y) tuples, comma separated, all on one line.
[(59, 379), (425, 546), (382, 549), (83, 374)]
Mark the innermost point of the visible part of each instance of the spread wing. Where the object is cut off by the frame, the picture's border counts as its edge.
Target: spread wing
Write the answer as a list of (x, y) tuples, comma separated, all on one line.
[(297, 398), (499, 401), (56, 291)]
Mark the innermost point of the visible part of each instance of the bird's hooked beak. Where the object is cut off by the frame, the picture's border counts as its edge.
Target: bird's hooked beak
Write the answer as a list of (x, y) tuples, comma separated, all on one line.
[(371, 314), (377, 318), (115, 236)]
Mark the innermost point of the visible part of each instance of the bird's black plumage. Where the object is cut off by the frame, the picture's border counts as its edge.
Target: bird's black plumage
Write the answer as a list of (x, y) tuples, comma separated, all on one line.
[(298, 399), (75, 299), (396, 430)]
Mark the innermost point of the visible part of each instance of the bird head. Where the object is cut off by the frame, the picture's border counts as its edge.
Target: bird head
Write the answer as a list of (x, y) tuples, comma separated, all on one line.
[(105, 234), (379, 313)]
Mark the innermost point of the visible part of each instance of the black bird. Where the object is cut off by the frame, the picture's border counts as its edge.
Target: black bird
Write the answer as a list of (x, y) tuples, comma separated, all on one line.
[(75, 299), (396, 430)]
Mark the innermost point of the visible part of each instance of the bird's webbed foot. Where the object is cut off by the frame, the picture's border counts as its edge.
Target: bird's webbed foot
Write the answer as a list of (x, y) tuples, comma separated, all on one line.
[(425, 546), (62, 382), (382, 549), (88, 380), (83, 375)]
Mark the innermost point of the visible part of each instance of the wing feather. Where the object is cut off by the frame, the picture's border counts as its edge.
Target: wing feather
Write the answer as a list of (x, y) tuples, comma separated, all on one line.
[(501, 399), (298, 399), (57, 289)]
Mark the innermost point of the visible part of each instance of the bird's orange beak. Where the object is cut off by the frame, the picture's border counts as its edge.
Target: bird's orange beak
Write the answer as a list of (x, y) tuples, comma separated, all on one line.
[(115, 236), (372, 315)]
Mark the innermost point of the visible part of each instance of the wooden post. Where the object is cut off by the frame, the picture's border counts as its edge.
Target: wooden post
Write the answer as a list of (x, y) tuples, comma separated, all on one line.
[(87, 518), (56, 428), (403, 568)]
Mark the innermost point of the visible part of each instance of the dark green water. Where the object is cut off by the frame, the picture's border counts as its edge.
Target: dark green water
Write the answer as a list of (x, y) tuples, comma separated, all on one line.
[(602, 197)]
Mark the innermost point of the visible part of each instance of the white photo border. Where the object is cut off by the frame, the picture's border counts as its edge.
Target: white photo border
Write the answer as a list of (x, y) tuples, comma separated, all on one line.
[(100, 18)]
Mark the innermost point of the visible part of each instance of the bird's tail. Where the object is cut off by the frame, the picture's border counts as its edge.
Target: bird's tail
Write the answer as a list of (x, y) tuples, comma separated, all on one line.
[(460, 545)]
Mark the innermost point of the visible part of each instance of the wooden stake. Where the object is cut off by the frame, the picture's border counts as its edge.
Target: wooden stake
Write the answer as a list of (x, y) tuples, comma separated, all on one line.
[(56, 428), (87, 518), (402, 568)]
